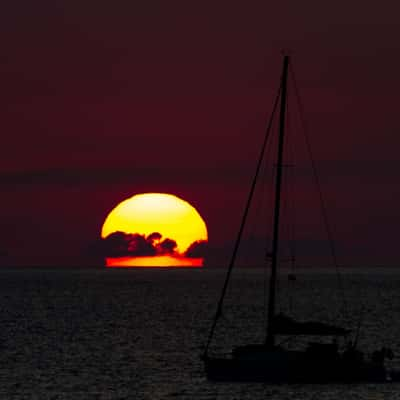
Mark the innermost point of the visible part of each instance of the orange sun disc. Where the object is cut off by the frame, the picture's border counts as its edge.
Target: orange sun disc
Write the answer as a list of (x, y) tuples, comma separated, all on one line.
[(178, 224)]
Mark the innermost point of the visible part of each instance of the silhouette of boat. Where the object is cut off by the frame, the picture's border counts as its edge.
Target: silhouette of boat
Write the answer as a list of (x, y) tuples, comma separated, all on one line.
[(318, 362)]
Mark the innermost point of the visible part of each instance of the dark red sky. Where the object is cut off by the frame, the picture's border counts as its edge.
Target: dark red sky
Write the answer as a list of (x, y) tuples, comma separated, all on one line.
[(102, 100)]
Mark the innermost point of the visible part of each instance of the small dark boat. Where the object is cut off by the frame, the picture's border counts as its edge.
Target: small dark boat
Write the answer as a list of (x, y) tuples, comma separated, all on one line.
[(318, 362)]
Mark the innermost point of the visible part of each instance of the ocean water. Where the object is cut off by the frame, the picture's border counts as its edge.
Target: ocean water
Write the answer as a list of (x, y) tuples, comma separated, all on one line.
[(139, 333)]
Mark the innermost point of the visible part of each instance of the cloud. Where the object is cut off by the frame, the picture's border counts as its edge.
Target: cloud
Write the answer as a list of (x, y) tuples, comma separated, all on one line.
[(154, 236), (116, 174), (167, 246), (120, 244), (197, 249)]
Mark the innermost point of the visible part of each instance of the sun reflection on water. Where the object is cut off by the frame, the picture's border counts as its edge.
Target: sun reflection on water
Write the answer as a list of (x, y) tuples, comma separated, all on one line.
[(156, 261)]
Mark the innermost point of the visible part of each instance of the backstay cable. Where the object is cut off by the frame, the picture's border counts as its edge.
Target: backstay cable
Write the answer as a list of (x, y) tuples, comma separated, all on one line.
[(321, 199)]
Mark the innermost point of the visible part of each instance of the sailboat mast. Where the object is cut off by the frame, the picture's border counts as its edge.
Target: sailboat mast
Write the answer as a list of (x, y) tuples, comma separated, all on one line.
[(270, 339)]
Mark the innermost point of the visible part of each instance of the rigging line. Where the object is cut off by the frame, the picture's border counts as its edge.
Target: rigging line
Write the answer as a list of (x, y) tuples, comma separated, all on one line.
[(243, 222), (292, 193), (260, 204), (268, 185), (290, 212), (285, 212), (321, 199), (260, 201)]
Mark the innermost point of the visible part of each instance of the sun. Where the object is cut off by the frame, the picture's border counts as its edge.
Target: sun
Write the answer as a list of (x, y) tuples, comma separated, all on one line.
[(154, 229)]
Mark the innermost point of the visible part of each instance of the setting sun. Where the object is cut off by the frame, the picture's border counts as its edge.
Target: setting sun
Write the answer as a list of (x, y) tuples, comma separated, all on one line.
[(154, 229)]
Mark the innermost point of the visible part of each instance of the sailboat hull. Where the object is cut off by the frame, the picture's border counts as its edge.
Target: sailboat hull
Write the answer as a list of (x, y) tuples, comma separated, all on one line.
[(293, 367)]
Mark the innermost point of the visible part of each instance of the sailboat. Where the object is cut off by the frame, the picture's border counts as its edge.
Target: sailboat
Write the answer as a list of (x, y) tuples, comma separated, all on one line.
[(270, 361)]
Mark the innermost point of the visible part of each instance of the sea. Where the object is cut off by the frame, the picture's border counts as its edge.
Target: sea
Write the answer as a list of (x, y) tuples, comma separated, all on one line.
[(139, 333)]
